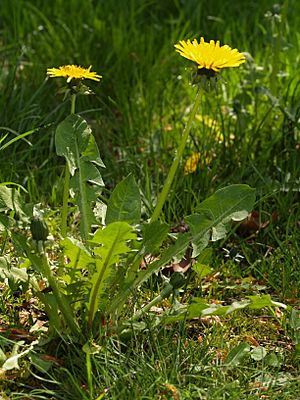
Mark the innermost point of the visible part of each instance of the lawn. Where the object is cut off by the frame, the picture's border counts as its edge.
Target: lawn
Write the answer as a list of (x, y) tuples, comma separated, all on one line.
[(149, 209)]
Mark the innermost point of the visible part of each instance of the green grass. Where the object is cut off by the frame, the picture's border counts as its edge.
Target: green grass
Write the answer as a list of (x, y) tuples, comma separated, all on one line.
[(137, 114), (142, 367)]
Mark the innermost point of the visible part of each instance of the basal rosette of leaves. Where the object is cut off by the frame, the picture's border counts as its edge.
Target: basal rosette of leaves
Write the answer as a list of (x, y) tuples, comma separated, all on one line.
[(99, 272), (102, 270)]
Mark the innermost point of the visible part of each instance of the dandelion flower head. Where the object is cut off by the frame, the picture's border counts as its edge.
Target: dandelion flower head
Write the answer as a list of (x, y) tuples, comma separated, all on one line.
[(73, 72), (196, 160), (210, 55), (191, 163)]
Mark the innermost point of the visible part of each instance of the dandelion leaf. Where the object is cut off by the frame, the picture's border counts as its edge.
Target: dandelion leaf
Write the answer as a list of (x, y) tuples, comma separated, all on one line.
[(12, 362), (125, 202), (91, 153), (111, 244), (78, 259), (264, 300), (210, 221), (10, 272), (137, 278), (74, 141), (233, 202), (10, 199), (236, 354), (72, 138), (154, 234)]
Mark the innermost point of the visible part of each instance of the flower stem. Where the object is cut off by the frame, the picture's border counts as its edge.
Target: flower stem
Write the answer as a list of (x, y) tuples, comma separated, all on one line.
[(167, 290), (41, 264), (166, 188), (64, 212), (59, 297), (73, 103), (89, 374)]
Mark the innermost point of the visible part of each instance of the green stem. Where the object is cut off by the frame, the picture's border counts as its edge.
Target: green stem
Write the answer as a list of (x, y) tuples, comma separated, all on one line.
[(96, 286), (73, 103), (167, 290), (41, 264), (64, 212), (165, 191), (89, 374), (42, 298), (61, 302)]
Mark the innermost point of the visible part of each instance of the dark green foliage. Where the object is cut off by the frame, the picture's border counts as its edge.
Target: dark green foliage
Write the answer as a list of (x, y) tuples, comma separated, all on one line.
[(75, 142), (124, 203)]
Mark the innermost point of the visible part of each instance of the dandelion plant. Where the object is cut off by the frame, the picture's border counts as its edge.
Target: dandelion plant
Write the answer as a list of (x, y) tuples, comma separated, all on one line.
[(210, 58)]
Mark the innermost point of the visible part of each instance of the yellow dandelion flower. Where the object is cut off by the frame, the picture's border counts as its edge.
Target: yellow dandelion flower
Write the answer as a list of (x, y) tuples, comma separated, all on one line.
[(210, 123), (73, 72), (194, 161), (191, 163), (210, 55)]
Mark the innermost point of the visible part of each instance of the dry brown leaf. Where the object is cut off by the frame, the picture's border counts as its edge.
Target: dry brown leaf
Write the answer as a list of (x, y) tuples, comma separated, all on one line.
[(16, 334), (171, 390), (253, 223), (180, 228), (183, 265), (200, 339), (57, 361), (24, 317), (251, 340), (292, 300), (278, 312)]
